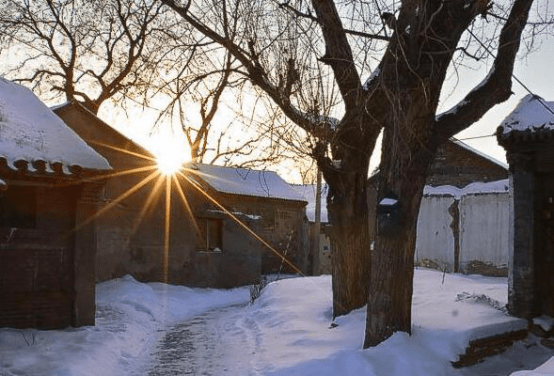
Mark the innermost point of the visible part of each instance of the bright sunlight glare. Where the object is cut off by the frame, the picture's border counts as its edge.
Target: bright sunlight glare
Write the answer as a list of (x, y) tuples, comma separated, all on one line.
[(169, 161), (169, 165)]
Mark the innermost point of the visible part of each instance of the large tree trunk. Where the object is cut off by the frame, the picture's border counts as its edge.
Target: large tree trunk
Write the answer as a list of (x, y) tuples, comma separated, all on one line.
[(392, 263), (347, 208), (350, 255)]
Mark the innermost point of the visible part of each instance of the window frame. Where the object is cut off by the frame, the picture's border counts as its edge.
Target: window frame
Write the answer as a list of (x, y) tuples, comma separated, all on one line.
[(205, 236)]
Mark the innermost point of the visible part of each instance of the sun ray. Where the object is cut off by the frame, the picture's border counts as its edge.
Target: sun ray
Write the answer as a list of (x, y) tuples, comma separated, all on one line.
[(119, 173), (149, 201), (242, 224), (185, 201), (123, 196), (167, 229), (139, 155)]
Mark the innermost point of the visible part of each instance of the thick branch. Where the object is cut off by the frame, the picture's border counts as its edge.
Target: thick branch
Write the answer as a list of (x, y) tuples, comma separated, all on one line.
[(338, 53), (496, 88), (255, 72)]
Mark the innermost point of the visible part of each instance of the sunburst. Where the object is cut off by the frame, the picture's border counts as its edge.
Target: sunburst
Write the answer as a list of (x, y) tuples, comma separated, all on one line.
[(169, 176)]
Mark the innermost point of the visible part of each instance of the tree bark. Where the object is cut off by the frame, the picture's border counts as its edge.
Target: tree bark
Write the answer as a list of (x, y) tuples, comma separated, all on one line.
[(349, 235), (392, 263)]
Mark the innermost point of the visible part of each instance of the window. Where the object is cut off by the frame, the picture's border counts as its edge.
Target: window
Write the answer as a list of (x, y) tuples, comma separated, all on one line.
[(210, 237), (18, 207)]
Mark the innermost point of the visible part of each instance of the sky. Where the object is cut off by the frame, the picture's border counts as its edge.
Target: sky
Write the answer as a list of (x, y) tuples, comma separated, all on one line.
[(533, 69), (285, 331)]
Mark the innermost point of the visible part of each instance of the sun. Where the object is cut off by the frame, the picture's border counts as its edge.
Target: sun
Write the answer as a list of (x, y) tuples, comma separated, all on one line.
[(169, 161)]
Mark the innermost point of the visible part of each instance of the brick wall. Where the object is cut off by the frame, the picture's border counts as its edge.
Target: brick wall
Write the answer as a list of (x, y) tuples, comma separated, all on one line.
[(458, 166), (36, 264)]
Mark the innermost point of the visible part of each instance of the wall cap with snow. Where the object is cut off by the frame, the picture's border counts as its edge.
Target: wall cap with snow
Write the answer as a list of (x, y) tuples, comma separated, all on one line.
[(532, 120)]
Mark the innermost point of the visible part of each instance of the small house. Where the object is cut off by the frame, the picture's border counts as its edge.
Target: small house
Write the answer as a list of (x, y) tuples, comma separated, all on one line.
[(48, 195), (527, 134), (137, 235), (458, 164), (275, 209)]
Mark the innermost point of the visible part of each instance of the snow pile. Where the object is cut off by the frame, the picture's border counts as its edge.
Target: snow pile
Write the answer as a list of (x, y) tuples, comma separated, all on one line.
[(499, 186), (128, 318), (244, 181), (300, 341), (30, 131), (547, 369), (286, 331), (531, 114)]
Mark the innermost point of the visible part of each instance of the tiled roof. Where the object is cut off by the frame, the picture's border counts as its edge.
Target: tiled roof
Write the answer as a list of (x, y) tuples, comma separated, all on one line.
[(33, 139)]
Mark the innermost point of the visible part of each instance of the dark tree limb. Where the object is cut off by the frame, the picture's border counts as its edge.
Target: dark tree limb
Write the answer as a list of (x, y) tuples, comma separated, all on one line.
[(256, 73), (496, 88), (338, 54)]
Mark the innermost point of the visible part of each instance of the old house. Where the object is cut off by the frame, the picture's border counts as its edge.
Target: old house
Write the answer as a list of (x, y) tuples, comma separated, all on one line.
[(163, 228), (275, 208), (527, 134), (48, 191), (132, 237), (458, 164)]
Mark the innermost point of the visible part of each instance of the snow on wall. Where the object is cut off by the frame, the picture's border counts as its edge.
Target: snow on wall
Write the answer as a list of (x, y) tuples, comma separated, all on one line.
[(247, 182), (30, 131), (499, 186), (530, 115)]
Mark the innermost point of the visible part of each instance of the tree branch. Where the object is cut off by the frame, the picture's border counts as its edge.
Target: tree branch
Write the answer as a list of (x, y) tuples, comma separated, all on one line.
[(254, 70), (496, 87), (311, 17), (338, 54)]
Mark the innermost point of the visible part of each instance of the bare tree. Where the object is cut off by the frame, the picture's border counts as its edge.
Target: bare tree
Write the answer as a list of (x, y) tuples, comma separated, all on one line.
[(86, 50), (284, 46), (197, 88)]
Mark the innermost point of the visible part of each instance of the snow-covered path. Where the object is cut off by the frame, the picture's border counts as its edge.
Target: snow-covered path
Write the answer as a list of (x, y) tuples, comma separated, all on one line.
[(218, 342), (286, 332)]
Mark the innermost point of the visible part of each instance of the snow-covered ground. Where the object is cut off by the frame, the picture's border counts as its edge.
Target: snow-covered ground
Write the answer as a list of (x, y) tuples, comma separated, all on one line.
[(286, 331)]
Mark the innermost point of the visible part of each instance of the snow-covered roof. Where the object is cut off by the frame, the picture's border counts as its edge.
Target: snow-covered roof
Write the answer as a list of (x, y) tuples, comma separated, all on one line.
[(308, 192), (499, 186), (530, 115), (31, 132), (247, 182)]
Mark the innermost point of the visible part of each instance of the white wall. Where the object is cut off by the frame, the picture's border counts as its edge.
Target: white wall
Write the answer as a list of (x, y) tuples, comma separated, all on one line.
[(484, 228), (435, 241), (483, 231)]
